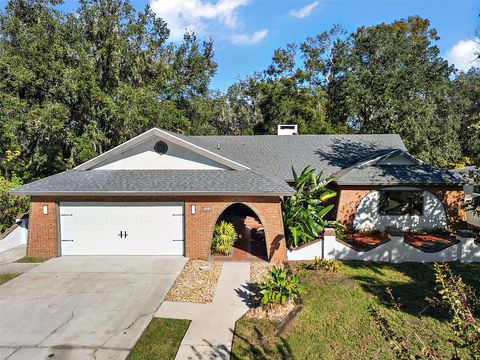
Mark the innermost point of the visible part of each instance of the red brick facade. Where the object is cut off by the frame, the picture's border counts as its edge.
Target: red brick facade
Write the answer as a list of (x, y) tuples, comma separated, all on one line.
[(349, 197), (42, 229), (347, 201), (44, 239)]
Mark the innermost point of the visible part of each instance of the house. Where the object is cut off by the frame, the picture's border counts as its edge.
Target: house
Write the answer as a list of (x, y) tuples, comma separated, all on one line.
[(469, 174), (471, 189), (161, 193)]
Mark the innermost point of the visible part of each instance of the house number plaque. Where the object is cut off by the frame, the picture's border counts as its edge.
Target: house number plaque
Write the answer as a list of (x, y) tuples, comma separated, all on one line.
[(206, 208)]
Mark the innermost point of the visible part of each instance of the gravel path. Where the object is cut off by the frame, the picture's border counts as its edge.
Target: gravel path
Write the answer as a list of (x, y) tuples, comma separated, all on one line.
[(196, 283)]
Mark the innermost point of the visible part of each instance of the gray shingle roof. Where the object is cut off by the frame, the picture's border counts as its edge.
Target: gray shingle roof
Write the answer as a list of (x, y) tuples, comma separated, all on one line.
[(419, 174), (97, 182), (275, 155), (271, 159), (468, 174)]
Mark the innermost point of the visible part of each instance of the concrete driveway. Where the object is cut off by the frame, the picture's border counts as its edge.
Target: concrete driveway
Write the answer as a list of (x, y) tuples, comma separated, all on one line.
[(88, 307)]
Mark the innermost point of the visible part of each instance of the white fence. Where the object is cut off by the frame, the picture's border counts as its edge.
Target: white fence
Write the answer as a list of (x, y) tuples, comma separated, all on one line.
[(394, 251), (16, 237)]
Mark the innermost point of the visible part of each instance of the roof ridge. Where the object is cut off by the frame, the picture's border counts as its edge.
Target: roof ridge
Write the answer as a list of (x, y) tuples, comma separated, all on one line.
[(295, 136)]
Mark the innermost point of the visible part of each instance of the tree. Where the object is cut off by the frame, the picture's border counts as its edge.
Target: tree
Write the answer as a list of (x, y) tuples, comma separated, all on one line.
[(465, 98), (75, 85), (281, 95), (388, 78)]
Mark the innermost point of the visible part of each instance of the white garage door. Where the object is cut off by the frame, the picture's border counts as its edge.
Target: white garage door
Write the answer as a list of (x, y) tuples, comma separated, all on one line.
[(121, 228)]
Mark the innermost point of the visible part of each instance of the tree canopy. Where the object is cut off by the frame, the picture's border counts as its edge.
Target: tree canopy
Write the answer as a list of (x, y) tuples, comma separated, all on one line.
[(73, 85)]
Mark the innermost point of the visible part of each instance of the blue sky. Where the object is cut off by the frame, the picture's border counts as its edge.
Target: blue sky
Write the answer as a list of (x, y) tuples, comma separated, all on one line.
[(455, 21), (247, 31)]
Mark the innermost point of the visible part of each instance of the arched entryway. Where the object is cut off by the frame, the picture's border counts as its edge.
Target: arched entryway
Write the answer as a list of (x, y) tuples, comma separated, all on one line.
[(250, 244)]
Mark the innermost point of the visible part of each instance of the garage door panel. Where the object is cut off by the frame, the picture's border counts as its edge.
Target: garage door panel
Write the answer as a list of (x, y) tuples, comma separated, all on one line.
[(100, 228)]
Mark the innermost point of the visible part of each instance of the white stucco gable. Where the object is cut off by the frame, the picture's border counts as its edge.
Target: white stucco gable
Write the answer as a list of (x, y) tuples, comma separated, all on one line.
[(139, 153), (144, 156)]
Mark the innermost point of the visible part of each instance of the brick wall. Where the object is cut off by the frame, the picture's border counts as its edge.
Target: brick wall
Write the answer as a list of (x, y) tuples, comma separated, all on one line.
[(349, 198), (43, 238), (42, 229), (199, 227), (452, 199)]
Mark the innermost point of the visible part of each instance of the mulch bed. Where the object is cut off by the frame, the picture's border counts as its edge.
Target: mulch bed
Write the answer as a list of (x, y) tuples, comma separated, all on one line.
[(430, 242), (196, 283), (364, 242)]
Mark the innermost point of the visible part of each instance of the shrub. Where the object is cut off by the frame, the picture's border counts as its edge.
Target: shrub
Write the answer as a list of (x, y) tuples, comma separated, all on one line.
[(304, 213), (278, 287), (340, 232), (224, 237), (329, 265), (10, 206), (461, 302), (433, 231), (372, 232)]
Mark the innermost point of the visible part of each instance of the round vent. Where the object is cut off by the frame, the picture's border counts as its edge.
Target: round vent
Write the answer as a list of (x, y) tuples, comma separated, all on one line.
[(161, 147)]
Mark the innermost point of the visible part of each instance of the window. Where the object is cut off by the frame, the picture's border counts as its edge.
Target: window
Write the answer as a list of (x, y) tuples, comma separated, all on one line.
[(401, 202)]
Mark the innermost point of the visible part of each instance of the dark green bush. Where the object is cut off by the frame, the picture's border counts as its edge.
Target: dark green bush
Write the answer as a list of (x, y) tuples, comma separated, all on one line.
[(10, 206)]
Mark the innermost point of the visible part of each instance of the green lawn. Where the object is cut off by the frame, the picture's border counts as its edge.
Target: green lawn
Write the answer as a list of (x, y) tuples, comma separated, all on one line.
[(31, 259), (336, 322), (4, 277), (160, 340)]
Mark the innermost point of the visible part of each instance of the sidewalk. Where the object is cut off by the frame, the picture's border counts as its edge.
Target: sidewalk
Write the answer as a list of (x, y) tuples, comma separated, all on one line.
[(210, 333), (8, 258)]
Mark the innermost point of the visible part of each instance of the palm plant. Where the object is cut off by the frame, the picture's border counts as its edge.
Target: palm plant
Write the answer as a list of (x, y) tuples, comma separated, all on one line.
[(304, 213), (224, 237)]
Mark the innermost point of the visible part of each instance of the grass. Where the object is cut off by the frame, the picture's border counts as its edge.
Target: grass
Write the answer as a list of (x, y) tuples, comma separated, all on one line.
[(336, 321), (31, 259), (4, 277), (160, 340)]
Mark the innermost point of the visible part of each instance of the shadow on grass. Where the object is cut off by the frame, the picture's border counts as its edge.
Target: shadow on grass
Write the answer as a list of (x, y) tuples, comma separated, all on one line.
[(260, 348), (411, 283)]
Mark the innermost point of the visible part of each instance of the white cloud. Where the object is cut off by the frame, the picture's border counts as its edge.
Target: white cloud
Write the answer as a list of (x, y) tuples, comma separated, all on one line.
[(196, 15), (304, 11), (249, 39), (463, 54)]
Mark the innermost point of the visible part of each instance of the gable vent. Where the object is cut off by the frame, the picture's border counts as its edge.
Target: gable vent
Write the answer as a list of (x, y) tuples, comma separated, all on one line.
[(161, 147)]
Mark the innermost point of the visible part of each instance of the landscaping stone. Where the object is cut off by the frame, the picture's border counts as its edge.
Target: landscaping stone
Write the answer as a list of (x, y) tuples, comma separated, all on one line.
[(196, 283), (258, 271)]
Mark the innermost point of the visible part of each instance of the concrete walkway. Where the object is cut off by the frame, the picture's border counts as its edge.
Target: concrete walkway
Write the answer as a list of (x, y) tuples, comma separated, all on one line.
[(210, 333), (13, 255), (8, 258)]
